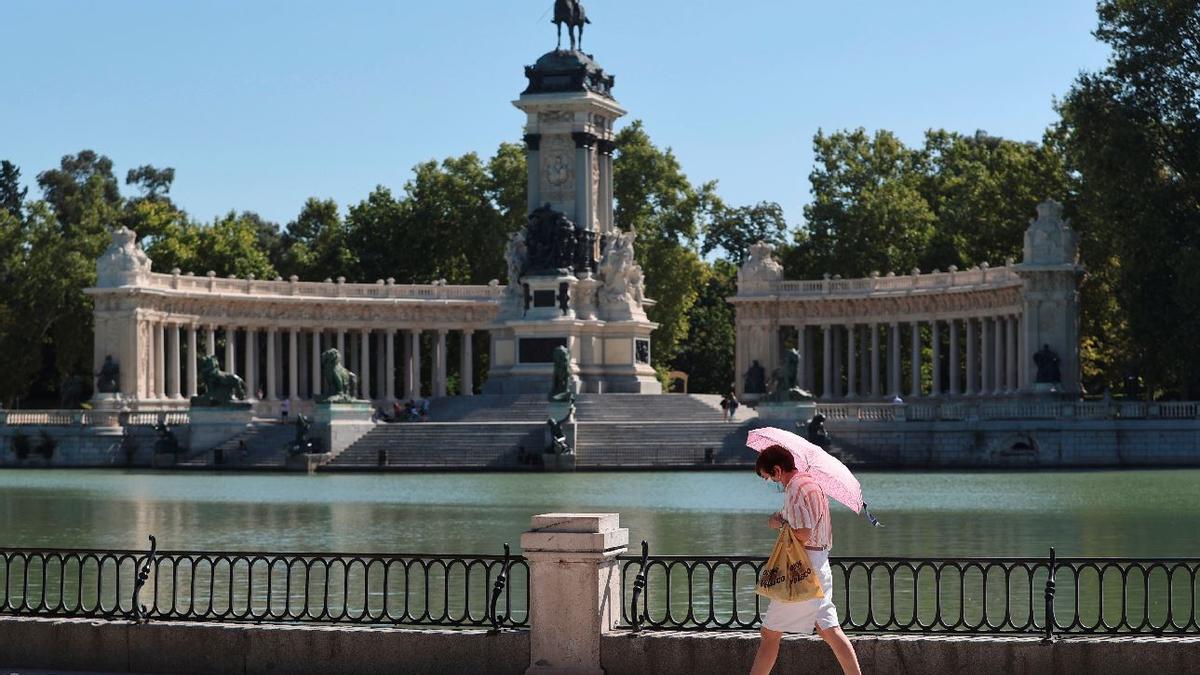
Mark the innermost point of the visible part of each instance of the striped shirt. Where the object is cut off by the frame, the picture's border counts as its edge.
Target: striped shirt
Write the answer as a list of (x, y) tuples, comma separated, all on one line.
[(807, 507)]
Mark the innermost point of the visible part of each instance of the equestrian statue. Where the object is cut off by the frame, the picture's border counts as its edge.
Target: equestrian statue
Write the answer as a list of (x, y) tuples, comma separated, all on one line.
[(571, 13)]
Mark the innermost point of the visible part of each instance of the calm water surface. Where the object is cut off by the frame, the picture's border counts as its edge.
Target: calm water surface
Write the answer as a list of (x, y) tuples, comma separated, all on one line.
[(1126, 513)]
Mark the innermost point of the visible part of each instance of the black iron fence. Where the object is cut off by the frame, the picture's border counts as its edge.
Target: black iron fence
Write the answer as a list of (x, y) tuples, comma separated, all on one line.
[(1042, 596), (489, 591)]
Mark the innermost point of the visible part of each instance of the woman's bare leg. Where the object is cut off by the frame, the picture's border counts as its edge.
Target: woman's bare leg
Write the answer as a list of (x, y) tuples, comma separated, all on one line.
[(768, 651), (842, 649)]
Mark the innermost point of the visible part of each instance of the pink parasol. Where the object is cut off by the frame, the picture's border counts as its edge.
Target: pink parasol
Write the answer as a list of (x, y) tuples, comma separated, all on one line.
[(827, 470)]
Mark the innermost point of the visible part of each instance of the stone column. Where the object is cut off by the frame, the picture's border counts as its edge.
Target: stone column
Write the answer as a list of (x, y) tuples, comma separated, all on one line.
[(851, 361), (294, 364), (533, 144), (414, 363), (837, 361), (985, 356), (810, 363), (341, 347), (231, 349), (575, 578), (953, 365), (210, 342), (876, 389), (316, 364), (935, 336), (827, 358), (364, 364), (605, 197), (585, 144), (192, 388), (406, 341), (864, 361), (998, 329), (159, 330), (1011, 358), (894, 359), (251, 376), (914, 389), (466, 369), (972, 360), (389, 382), (272, 393), (439, 364), (173, 371)]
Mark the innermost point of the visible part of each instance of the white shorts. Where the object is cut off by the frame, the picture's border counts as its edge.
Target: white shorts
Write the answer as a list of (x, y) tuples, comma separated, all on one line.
[(802, 617)]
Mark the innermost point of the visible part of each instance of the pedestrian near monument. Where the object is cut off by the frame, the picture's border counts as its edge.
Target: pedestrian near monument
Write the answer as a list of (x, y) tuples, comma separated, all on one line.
[(733, 406), (806, 512), (284, 408)]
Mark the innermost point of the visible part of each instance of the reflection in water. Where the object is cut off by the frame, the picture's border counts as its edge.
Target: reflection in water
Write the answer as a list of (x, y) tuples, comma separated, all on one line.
[(1129, 513)]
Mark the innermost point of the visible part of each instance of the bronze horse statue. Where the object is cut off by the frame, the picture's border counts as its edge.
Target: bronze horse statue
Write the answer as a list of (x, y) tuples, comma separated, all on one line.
[(571, 13)]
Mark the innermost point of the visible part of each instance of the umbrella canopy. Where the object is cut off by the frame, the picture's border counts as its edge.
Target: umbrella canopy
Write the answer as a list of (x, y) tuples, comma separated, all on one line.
[(827, 470)]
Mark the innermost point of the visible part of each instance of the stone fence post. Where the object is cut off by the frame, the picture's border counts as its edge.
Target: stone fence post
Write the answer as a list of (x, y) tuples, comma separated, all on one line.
[(575, 589)]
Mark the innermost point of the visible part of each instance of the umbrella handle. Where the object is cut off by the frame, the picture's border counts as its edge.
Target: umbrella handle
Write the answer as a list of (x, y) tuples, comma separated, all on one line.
[(870, 518)]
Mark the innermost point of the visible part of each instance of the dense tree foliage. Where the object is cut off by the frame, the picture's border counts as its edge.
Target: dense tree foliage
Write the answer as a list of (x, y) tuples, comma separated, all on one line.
[(1132, 134)]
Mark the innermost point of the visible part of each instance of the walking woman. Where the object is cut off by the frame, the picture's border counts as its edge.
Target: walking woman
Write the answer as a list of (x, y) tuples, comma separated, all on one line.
[(806, 511)]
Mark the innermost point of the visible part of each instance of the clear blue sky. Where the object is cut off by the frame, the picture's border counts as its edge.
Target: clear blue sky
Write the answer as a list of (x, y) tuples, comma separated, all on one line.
[(261, 104)]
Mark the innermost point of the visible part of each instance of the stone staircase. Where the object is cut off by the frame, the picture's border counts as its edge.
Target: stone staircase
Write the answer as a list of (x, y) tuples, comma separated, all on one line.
[(266, 448), (500, 432)]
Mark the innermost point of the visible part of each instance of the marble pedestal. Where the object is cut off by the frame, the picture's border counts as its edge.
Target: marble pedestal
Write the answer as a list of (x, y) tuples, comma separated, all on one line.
[(339, 425), (212, 426), (106, 410), (787, 413)]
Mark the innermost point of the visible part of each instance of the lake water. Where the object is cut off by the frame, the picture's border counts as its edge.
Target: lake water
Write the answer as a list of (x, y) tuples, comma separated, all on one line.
[(1083, 513)]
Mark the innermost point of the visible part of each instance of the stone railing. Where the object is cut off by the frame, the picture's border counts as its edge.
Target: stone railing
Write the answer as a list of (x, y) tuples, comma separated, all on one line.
[(88, 418), (1015, 409), (381, 289), (981, 277)]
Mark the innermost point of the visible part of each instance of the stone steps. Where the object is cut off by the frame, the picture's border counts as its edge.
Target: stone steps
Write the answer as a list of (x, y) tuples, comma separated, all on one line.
[(431, 444), (266, 446)]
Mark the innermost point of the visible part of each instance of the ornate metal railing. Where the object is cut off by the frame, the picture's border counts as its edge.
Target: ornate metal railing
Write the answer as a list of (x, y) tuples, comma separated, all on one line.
[(1007, 409), (490, 591), (1039, 596)]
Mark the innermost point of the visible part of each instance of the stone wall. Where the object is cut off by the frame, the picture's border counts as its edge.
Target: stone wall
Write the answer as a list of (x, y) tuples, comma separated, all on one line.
[(82, 446), (217, 649)]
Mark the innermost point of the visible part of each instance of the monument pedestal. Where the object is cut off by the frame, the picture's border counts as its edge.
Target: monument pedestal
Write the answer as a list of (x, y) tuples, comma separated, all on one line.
[(339, 425), (787, 412), (106, 410), (212, 426)]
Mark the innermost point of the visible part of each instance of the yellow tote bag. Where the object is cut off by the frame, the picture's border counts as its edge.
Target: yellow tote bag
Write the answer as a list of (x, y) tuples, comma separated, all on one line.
[(789, 575)]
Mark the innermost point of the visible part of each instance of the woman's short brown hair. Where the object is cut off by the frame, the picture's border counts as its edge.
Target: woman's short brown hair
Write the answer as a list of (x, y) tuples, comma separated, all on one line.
[(774, 456)]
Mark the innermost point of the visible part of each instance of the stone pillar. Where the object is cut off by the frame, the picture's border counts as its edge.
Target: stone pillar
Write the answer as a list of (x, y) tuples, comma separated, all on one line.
[(406, 341), (972, 360), (192, 388), (533, 154), (914, 389), (605, 197), (439, 364), (894, 359), (985, 356), (294, 364), (810, 377), (159, 330), (851, 361), (827, 358), (414, 364), (272, 393), (1011, 357), (231, 364), (999, 330), (389, 385), (173, 371), (466, 374), (876, 389), (251, 375), (316, 364), (575, 578), (864, 361), (935, 336), (837, 361), (585, 144), (364, 364), (341, 347), (953, 366), (210, 342)]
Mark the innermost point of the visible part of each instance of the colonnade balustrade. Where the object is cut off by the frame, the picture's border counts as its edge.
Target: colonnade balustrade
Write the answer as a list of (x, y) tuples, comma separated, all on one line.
[(284, 362), (970, 356)]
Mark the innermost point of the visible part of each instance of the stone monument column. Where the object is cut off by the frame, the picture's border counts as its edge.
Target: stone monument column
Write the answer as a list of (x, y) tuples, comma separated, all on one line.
[(414, 364), (271, 363), (851, 361), (915, 359), (193, 356), (390, 364), (935, 335), (439, 367), (466, 375), (294, 363), (876, 389), (364, 363), (251, 377), (894, 359), (827, 362), (210, 341), (1051, 272), (972, 359), (533, 161), (954, 369)]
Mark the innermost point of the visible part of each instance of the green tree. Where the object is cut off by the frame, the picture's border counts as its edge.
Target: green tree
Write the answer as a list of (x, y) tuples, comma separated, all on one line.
[(1131, 132), (867, 213), (316, 243), (655, 200), (12, 195), (153, 182), (82, 193), (734, 230), (706, 354)]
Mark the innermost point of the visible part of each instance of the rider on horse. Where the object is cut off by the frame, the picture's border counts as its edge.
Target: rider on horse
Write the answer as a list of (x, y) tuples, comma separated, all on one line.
[(570, 12)]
